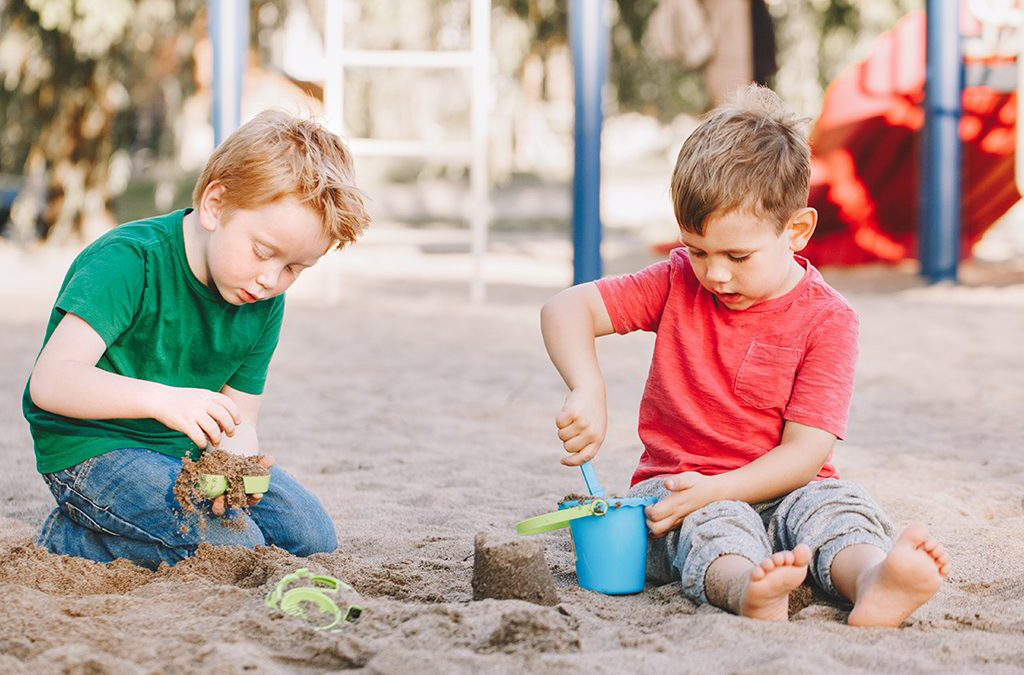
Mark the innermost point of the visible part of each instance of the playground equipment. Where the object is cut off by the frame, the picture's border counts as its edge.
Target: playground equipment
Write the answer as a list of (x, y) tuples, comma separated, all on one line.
[(477, 59), (229, 34), (867, 146), (588, 35), (940, 156)]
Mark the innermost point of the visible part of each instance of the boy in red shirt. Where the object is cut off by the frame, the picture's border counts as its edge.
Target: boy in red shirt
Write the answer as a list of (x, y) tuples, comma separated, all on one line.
[(748, 390)]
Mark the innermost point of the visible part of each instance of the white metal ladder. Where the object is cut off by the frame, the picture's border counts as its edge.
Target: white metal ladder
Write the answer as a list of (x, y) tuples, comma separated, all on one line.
[(477, 59)]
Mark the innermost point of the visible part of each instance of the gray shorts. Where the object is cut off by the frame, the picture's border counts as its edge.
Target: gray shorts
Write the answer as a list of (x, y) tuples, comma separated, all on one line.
[(827, 515)]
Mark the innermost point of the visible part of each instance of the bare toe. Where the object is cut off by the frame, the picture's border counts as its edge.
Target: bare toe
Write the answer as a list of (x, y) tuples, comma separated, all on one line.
[(766, 595)]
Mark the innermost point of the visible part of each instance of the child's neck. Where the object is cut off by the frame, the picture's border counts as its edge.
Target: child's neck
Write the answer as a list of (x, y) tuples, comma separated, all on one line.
[(796, 273), (196, 239)]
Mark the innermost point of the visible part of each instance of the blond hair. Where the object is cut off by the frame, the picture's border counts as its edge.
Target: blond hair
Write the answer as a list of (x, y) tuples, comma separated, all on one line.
[(276, 155), (749, 155)]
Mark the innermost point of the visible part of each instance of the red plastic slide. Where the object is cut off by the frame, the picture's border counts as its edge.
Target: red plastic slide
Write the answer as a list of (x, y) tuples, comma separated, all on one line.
[(865, 145)]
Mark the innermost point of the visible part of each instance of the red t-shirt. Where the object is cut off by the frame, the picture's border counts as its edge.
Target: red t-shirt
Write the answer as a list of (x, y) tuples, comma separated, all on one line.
[(723, 382)]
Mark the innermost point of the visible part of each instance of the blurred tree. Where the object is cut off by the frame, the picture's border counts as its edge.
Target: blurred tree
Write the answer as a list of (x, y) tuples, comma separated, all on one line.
[(639, 81), (78, 76), (88, 84), (816, 39)]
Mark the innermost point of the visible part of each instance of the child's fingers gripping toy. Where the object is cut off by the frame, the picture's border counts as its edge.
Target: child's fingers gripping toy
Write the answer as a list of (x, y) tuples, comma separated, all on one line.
[(214, 485), (609, 536)]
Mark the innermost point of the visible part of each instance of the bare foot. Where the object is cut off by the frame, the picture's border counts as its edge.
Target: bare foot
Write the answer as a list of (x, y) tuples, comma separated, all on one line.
[(766, 595), (908, 576)]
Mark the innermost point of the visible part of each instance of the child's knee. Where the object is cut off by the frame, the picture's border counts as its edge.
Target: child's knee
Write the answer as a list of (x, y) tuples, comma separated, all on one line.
[(242, 532), (724, 513), (315, 537)]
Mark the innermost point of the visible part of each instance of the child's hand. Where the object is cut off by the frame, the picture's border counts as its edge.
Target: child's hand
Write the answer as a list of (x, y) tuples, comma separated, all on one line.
[(219, 504), (690, 491), (201, 415), (582, 424)]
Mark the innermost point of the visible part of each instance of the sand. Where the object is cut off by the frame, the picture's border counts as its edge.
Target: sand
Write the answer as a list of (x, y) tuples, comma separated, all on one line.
[(420, 420)]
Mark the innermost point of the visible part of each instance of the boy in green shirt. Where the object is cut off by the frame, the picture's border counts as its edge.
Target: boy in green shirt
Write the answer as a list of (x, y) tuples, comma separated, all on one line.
[(159, 342)]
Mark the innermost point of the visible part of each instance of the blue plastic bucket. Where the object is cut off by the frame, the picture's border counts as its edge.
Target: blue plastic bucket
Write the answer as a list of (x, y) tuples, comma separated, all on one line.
[(611, 549)]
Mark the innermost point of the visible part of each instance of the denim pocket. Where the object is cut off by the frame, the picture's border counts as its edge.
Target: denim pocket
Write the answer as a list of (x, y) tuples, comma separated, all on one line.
[(60, 482), (765, 378)]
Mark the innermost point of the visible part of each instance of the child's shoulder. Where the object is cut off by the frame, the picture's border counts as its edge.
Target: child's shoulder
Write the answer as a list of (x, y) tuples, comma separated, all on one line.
[(133, 242), (680, 267), (825, 301), (141, 234)]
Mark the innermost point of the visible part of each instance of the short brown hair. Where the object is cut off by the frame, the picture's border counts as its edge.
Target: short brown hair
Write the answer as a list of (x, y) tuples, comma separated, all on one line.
[(749, 154), (276, 155)]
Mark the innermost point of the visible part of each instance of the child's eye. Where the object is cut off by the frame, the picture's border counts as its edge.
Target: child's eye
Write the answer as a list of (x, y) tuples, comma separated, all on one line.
[(260, 253), (739, 259), (698, 254)]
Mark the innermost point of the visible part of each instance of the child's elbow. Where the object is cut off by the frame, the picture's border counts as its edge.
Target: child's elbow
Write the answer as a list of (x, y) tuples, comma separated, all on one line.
[(39, 389), (559, 303), (547, 310)]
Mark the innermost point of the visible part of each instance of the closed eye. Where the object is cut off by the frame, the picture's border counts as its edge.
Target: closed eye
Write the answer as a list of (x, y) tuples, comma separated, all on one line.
[(697, 254), (739, 259), (260, 253)]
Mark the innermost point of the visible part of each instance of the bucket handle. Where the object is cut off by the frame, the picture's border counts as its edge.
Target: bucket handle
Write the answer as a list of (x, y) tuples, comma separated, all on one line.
[(559, 519)]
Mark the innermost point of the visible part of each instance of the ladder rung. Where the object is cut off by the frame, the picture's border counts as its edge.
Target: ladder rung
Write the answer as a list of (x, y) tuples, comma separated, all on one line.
[(378, 147), (404, 58)]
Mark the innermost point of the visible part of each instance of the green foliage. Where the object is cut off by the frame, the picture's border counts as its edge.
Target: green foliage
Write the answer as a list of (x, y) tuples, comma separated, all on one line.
[(78, 75), (815, 37), (86, 81), (638, 80)]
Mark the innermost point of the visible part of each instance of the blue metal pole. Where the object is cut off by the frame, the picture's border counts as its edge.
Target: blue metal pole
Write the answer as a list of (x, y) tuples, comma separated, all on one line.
[(229, 33), (940, 150), (588, 36)]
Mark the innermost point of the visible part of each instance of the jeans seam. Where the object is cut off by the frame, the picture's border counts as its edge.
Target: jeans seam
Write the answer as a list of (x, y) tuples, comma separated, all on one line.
[(123, 521), (86, 467), (93, 524)]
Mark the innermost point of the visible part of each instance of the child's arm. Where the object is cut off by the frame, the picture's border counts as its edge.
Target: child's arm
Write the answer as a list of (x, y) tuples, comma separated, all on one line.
[(569, 323), (66, 381), (244, 441), (790, 465)]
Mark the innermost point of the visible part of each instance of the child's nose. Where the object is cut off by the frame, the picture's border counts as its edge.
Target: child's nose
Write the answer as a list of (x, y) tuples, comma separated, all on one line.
[(718, 272), (267, 278)]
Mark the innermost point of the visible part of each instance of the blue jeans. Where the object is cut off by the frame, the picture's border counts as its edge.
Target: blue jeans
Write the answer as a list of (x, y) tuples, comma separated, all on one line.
[(120, 505)]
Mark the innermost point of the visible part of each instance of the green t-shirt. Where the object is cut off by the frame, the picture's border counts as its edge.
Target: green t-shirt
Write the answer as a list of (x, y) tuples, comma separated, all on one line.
[(134, 287)]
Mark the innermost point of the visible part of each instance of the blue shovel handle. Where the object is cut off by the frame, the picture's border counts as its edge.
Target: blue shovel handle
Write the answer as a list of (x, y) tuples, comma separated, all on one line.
[(590, 477)]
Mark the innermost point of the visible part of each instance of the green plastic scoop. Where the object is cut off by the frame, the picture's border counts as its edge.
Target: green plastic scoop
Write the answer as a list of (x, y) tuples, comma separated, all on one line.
[(319, 595), (559, 519), (214, 485)]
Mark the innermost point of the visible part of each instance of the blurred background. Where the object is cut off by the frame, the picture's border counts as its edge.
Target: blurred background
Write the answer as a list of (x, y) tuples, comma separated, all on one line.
[(105, 116)]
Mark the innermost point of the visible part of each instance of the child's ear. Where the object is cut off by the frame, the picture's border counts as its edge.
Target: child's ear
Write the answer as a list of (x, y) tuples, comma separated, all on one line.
[(210, 206), (801, 227)]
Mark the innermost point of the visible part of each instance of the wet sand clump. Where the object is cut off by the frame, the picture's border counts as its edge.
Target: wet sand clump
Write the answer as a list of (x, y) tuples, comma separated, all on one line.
[(218, 462)]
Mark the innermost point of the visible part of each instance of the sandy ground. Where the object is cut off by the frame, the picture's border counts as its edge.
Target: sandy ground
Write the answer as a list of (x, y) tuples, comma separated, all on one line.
[(420, 419)]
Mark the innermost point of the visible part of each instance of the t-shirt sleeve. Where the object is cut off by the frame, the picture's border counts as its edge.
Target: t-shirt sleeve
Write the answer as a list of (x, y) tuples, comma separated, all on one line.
[(636, 301), (252, 373), (105, 289), (824, 382)]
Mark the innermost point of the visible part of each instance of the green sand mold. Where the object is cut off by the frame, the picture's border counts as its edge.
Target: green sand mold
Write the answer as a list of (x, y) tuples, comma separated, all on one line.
[(214, 485)]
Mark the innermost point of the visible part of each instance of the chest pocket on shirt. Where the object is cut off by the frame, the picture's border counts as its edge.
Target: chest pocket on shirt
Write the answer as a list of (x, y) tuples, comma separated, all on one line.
[(765, 378)]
